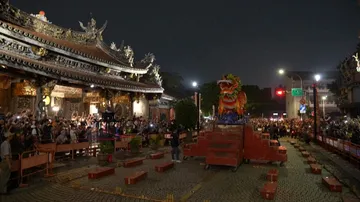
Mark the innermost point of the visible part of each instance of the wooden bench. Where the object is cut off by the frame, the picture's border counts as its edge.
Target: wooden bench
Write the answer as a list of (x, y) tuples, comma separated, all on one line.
[(100, 172), (136, 177), (292, 142), (305, 154), (296, 146), (301, 149), (132, 163), (272, 175), (158, 155), (332, 184), (269, 190), (164, 167), (311, 160), (315, 168)]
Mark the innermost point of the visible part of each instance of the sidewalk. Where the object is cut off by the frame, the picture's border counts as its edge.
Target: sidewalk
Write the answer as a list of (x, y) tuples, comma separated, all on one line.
[(343, 170)]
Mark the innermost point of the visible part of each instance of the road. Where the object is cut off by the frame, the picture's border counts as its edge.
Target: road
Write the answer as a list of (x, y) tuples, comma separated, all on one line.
[(188, 181)]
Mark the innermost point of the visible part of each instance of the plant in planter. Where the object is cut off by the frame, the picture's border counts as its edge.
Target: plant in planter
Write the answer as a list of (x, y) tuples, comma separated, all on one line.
[(155, 142), (135, 144), (161, 140), (106, 151)]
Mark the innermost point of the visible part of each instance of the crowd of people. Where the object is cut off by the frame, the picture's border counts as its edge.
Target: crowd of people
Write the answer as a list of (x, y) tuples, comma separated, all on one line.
[(28, 131), (342, 128)]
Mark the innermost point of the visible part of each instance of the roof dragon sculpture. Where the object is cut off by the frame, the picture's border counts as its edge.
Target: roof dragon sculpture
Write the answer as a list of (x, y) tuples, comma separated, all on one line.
[(91, 29)]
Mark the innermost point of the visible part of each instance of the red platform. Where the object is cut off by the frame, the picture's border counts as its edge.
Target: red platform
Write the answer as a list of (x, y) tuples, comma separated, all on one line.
[(164, 167), (272, 175), (196, 149), (132, 163), (257, 147), (311, 160), (305, 154), (332, 184), (158, 155), (269, 190), (100, 172), (225, 146), (315, 169), (136, 177)]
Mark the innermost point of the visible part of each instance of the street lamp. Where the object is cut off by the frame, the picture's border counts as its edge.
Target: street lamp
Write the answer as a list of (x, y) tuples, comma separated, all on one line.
[(281, 71), (197, 98), (317, 78), (323, 105)]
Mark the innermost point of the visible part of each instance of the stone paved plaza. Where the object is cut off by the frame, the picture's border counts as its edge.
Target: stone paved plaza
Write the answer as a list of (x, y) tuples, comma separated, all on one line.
[(188, 182)]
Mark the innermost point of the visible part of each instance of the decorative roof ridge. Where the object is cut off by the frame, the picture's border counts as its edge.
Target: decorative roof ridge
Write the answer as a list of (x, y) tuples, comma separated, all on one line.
[(57, 73), (114, 54), (94, 60), (126, 53), (39, 23)]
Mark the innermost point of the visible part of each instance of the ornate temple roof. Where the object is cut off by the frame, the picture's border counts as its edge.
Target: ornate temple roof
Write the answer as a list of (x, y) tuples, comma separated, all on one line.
[(57, 52)]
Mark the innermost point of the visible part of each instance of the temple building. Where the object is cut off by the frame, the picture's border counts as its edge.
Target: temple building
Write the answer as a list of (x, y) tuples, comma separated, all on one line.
[(52, 70)]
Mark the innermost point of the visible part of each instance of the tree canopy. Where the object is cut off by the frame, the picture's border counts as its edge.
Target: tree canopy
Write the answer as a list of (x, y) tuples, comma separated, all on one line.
[(173, 84), (186, 113), (210, 96)]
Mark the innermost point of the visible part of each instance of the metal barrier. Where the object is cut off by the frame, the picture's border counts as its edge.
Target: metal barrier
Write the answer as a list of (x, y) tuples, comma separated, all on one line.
[(40, 158), (343, 147)]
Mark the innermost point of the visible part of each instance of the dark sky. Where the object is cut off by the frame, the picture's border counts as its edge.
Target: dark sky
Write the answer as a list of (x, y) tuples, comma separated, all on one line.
[(202, 40)]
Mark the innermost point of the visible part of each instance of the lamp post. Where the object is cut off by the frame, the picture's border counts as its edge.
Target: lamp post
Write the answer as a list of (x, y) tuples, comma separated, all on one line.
[(197, 98), (317, 78), (323, 105), (282, 72)]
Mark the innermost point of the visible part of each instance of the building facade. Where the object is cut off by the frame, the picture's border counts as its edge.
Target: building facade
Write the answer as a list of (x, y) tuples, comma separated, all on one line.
[(305, 80), (52, 70), (348, 84)]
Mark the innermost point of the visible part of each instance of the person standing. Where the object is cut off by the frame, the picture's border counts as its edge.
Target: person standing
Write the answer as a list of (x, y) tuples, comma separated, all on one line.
[(175, 143), (5, 164)]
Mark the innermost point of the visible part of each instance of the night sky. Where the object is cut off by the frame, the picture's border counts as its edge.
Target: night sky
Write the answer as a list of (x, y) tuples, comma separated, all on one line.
[(201, 40)]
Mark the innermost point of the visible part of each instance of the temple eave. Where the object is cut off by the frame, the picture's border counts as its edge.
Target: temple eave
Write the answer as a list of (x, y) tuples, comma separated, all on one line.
[(69, 49), (57, 73)]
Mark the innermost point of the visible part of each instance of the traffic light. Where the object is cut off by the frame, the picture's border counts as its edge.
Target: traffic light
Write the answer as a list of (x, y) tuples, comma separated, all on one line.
[(279, 92)]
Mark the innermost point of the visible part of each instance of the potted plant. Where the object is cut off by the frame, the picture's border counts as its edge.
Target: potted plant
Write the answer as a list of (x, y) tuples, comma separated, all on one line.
[(135, 144), (161, 140), (106, 151), (155, 141)]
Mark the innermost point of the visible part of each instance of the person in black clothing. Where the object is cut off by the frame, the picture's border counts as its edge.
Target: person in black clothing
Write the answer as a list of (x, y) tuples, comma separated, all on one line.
[(175, 143)]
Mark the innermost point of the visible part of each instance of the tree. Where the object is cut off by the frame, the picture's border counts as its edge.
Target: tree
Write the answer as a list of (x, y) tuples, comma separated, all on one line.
[(210, 96), (336, 88), (186, 113), (173, 84)]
